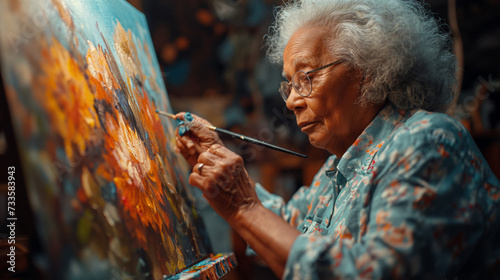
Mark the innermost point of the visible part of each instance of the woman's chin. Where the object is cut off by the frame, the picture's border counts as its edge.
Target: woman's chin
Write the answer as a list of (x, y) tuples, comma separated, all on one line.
[(315, 141), (331, 144)]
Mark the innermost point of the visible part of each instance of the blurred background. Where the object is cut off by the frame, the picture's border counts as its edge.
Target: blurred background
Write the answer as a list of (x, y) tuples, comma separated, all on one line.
[(214, 65)]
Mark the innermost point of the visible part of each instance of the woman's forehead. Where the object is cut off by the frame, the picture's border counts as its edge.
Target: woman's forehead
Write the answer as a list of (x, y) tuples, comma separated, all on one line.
[(305, 47)]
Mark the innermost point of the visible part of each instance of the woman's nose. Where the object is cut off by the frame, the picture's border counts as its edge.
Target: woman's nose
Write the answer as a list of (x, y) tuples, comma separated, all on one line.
[(294, 100)]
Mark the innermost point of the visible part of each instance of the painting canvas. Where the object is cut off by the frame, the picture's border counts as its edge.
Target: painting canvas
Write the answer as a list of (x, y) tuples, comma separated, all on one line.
[(109, 194)]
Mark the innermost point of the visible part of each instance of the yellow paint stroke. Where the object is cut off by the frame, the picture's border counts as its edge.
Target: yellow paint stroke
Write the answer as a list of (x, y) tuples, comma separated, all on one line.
[(67, 98), (98, 69), (127, 52), (64, 13)]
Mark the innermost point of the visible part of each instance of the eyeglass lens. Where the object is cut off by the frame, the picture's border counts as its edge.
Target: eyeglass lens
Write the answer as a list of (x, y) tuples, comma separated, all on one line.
[(300, 82)]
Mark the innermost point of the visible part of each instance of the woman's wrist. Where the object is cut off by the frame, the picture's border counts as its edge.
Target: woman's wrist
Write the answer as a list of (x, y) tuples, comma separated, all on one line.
[(246, 214)]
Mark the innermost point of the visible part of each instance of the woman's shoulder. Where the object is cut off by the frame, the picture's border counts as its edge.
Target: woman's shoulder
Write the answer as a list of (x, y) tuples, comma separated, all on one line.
[(428, 135), (421, 126), (423, 137)]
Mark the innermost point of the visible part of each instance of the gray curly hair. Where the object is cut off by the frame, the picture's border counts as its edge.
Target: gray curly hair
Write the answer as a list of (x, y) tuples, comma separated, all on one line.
[(398, 44)]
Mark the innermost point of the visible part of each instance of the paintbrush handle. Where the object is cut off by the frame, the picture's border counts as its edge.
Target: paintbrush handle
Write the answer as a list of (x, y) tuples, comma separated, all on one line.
[(163, 113), (253, 141)]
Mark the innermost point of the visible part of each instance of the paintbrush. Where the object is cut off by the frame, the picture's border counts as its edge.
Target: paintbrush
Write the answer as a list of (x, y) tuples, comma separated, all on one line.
[(239, 136)]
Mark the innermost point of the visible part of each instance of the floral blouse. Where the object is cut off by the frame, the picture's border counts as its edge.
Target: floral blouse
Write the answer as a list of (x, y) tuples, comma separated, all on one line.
[(412, 198)]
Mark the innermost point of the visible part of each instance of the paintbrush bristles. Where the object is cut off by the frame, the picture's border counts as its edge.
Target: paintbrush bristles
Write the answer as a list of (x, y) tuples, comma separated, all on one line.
[(172, 116)]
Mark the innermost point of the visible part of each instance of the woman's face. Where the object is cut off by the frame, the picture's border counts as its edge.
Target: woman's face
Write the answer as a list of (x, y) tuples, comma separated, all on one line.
[(330, 115)]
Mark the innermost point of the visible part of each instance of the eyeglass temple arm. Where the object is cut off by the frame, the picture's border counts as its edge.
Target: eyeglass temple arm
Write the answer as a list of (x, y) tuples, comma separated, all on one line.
[(325, 66)]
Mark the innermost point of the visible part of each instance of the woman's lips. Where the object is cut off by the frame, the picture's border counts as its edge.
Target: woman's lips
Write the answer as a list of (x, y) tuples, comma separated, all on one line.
[(304, 126)]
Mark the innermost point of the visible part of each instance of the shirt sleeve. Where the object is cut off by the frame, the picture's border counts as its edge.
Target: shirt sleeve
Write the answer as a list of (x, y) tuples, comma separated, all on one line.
[(292, 212), (426, 209)]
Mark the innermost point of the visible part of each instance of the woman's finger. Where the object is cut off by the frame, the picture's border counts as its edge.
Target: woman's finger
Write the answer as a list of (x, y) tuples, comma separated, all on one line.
[(209, 189), (208, 158), (180, 143), (186, 146), (219, 150), (198, 168), (198, 129)]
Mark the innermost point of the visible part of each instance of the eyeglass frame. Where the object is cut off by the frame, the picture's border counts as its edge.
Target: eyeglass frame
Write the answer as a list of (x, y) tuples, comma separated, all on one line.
[(285, 83)]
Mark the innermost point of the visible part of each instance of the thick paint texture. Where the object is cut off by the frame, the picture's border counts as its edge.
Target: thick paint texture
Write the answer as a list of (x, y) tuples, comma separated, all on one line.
[(109, 194)]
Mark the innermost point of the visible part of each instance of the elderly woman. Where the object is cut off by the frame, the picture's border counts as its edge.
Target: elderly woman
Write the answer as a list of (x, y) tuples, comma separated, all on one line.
[(406, 192)]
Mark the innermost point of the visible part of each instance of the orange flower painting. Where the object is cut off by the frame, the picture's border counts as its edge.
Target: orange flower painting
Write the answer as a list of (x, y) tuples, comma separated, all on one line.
[(109, 195)]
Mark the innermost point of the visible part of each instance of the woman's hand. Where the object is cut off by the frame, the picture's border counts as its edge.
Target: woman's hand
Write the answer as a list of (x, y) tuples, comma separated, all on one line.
[(196, 140), (226, 185), (221, 176)]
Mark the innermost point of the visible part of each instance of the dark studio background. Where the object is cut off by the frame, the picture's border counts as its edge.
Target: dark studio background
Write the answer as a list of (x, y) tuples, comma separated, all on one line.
[(211, 55)]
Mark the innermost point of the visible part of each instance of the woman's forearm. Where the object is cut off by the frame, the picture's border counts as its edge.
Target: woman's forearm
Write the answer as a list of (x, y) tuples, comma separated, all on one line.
[(267, 234)]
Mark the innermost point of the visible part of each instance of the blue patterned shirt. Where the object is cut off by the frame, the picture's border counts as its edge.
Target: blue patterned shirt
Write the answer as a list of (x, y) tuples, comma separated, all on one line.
[(412, 198)]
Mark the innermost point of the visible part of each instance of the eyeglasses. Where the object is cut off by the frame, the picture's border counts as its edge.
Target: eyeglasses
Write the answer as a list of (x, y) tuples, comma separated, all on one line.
[(301, 82)]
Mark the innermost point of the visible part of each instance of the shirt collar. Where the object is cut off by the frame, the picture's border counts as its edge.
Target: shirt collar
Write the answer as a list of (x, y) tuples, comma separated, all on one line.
[(360, 154)]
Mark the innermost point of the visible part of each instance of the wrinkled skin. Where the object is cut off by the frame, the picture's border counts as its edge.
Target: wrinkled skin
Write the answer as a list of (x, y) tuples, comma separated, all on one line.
[(223, 179), (195, 141)]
